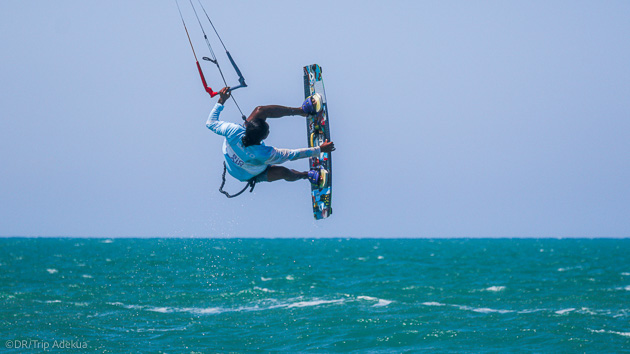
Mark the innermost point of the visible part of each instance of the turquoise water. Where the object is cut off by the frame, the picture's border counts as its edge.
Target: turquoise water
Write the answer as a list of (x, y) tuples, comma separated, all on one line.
[(326, 295)]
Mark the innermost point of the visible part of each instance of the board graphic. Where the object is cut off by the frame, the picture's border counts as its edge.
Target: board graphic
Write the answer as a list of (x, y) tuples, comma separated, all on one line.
[(318, 130)]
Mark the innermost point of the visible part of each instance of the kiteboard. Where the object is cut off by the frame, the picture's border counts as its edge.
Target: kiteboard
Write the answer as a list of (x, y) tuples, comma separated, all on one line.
[(318, 131)]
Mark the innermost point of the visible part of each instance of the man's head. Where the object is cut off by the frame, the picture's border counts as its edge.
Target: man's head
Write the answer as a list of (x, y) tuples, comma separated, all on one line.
[(256, 131)]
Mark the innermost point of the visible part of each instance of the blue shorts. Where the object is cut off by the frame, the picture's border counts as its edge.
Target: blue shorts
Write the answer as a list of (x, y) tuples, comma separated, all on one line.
[(262, 177)]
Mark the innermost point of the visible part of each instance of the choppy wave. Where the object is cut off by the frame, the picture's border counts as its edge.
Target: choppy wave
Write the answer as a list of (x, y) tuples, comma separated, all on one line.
[(268, 304), (379, 302), (495, 288), (564, 311), (624, 334), (481, 309), (561, 312), (152, 330), (265, 290), (310, 303), (468, 308)]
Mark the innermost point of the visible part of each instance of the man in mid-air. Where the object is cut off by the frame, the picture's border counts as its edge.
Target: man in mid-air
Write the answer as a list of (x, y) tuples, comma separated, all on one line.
[(246, 155)]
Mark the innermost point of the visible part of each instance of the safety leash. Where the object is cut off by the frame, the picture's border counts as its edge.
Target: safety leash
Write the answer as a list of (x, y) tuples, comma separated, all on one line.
[(251, 183)]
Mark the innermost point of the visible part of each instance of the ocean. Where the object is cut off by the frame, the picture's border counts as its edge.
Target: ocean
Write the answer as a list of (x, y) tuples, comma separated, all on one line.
[(322, 295)]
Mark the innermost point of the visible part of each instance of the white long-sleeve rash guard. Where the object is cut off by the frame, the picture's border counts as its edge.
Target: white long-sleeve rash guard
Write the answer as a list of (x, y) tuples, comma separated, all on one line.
[(244, 163)]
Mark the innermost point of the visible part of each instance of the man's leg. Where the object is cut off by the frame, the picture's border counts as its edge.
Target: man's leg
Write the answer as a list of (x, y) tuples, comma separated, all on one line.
[(275, 173), (274, 111)]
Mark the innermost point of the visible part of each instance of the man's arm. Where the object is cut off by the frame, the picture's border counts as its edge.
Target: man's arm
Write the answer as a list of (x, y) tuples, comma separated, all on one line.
[(213, 123), (278, 156), (220, 127)]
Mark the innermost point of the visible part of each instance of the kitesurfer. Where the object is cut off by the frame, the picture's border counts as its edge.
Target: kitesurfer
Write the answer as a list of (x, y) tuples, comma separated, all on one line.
[(246, 155)]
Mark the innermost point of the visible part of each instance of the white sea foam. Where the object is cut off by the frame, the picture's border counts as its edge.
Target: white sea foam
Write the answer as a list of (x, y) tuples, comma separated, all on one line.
[(264, 279), (52, 270), (264, 289), (314, 303), (625, 334), (129, 307), (379, 302), (566, 269), (380, 257), (269, 304), (192, 310), (587, 311), (107, 241), (52, 301), (289, 277), (495, 288), (625, 274), (488, 310), (292, 303), (481, 309), (469, 308), (151, 330), (382, 303), (87, 276), (161, 309), (205, 311), (531, 311), (369, 298), (562, 312)]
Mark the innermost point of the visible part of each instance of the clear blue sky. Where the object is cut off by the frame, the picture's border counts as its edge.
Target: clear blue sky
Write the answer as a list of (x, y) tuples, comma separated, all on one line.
[(451, 118)]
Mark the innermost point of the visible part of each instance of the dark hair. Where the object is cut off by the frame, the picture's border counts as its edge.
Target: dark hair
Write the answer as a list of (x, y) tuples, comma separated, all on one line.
[(255, 131)]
